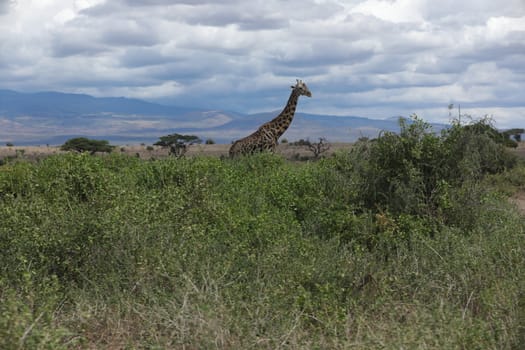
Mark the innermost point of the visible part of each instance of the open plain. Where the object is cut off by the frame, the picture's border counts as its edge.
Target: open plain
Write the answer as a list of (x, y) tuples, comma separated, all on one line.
[(289, 151)]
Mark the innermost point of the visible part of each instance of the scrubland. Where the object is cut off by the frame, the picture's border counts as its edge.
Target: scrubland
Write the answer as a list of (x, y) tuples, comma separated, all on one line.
[(408, 241)]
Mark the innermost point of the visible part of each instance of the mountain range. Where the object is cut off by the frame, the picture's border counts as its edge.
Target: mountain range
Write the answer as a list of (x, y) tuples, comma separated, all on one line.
[(54, 117)]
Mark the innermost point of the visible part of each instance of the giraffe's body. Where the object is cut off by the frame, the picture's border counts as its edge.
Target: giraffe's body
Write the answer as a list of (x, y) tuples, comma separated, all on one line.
[(265, 138)]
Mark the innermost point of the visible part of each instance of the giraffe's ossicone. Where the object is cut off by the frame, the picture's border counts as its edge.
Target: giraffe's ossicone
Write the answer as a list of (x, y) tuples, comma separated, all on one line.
[(265, 138)]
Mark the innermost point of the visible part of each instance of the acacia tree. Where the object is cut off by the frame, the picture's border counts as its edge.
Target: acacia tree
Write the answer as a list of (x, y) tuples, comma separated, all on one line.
[(177, 143), (83, 144), (318, 148)]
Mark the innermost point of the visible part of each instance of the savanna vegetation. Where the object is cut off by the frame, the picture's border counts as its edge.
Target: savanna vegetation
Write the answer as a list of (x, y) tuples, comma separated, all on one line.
[(83, 144), (407, 241), (177, 143)]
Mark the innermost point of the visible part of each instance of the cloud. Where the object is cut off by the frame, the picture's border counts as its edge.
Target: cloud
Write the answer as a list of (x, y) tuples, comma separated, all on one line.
[(5, 6), (368, 57), (219, 15)]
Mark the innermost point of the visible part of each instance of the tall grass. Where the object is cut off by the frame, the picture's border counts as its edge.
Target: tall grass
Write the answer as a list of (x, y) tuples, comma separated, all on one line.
[(357, 251)]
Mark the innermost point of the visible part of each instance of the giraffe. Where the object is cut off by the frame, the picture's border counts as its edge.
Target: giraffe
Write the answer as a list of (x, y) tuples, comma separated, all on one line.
[(265, 138)]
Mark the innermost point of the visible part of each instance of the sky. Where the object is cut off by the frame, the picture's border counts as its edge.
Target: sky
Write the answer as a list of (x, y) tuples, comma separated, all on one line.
[(369, 58)]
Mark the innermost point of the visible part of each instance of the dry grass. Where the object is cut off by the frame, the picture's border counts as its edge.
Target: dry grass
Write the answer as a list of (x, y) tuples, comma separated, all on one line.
[(30, 152), (216, 150), (221, 150), (149, 152)]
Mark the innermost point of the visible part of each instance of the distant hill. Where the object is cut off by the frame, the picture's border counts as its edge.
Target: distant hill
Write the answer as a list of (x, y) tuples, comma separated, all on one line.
[(58, 104), (53, 117)]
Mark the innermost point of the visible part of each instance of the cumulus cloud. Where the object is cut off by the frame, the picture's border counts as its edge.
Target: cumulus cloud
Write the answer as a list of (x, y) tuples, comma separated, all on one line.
[(5, 6), (375, 58)]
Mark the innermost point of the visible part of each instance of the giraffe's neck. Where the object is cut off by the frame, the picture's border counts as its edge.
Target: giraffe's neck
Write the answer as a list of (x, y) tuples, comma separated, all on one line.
[(279, 124)]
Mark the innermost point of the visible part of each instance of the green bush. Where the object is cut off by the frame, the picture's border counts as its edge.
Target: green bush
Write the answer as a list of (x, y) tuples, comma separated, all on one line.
[(83, 144), (28, 315), (413, 171)]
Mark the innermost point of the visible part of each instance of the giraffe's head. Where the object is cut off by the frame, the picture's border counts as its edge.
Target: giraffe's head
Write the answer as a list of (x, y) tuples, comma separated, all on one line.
[(302, 88)]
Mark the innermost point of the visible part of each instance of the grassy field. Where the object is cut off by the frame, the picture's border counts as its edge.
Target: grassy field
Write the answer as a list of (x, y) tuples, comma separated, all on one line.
[(407, 242)]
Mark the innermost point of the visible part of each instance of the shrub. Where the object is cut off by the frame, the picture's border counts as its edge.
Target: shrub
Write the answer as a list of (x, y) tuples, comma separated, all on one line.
[(82, 144), (301, 142), (177, 143), (476, 149), (515, 134), (412, 172), (318, 148)]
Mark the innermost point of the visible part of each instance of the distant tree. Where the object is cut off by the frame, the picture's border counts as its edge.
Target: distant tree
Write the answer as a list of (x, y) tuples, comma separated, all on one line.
[(210, 141), (177, 143), (83, 144), (318, 148), (9, 144), (301, 142)]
